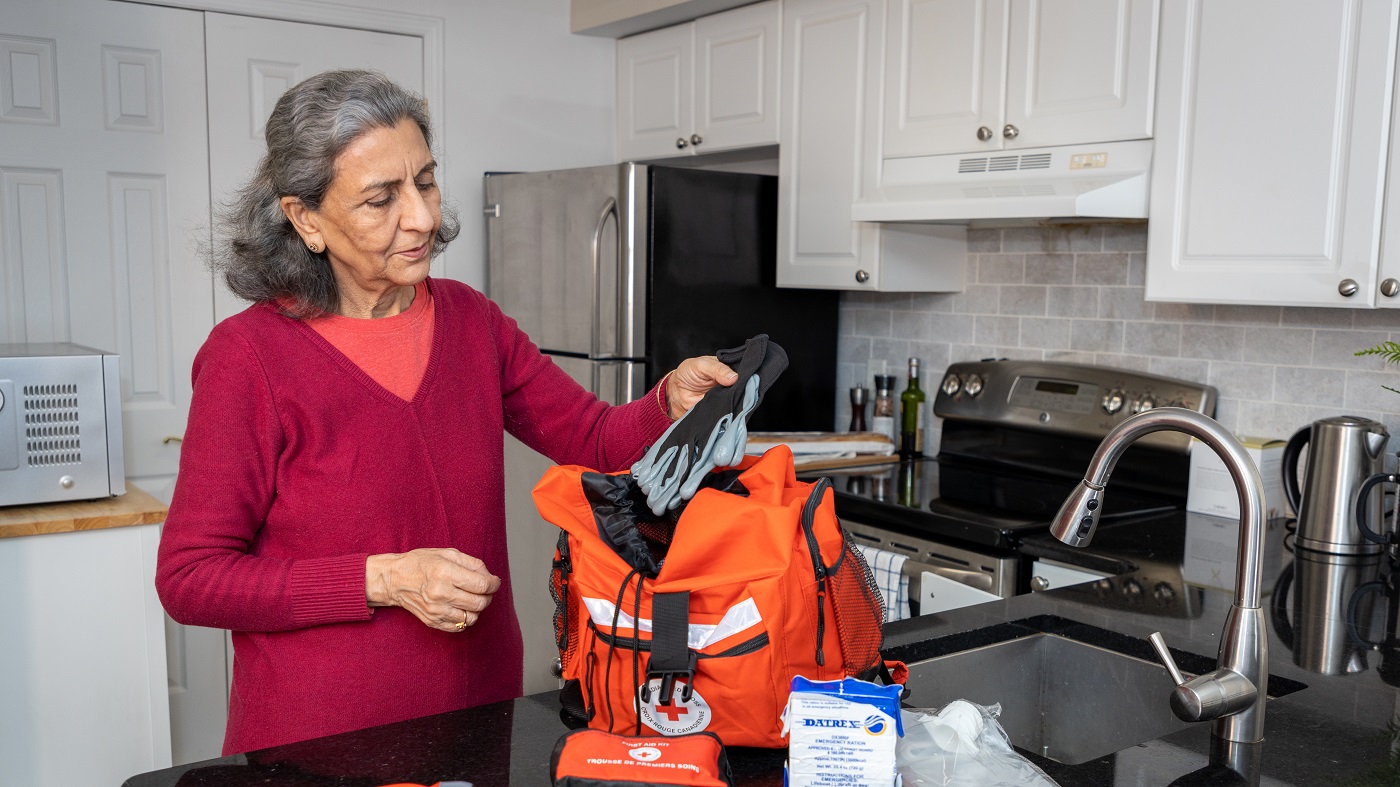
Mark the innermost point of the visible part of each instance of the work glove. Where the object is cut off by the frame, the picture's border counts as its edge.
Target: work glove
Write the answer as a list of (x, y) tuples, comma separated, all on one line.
[(713, 432)]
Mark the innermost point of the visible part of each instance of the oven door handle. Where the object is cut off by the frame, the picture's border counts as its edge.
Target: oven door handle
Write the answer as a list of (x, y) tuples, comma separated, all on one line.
[(973, 579)]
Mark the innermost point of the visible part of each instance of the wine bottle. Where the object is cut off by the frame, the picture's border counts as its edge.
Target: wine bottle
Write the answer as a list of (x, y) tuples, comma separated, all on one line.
[(911, 420)]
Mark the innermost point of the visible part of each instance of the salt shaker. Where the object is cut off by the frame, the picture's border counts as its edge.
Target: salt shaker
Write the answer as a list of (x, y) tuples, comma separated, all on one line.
[(858, 399)]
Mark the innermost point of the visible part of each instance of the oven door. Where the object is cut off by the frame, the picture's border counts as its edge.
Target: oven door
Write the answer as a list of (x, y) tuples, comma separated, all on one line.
[(935, 577)]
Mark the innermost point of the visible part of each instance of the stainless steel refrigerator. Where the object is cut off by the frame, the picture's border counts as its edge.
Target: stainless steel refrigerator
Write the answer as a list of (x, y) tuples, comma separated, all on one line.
[(621, 272)]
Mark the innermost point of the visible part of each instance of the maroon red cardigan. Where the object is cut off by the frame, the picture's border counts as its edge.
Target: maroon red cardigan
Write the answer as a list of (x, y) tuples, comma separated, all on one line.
[(296, 466)]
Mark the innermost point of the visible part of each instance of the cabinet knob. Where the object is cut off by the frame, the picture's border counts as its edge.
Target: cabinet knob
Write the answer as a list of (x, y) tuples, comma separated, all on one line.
[(1347, 287), (862, 277), (696, 139), (1010, 132), (984, 133), (1390, 288), (681, 143)]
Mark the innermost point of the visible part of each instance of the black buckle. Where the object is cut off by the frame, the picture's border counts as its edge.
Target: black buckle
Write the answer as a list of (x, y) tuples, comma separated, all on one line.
[(668, 681)]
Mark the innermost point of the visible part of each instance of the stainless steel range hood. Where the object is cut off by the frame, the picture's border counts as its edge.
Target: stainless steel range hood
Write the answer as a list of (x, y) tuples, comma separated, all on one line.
[(1090, 181)]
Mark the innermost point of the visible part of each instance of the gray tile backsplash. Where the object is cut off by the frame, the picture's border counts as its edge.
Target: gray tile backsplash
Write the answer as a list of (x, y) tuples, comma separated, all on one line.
[(1075, 293)]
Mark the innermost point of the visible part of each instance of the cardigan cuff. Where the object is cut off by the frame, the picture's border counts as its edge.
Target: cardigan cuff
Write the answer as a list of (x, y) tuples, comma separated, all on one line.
[(329, 590)]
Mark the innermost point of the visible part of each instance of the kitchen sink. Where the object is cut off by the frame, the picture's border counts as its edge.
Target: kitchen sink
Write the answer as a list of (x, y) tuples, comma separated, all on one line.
[(1069, 692)]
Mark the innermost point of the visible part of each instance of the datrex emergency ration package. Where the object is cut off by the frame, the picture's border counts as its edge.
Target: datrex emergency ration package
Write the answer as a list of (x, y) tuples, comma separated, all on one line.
[(841, 733)]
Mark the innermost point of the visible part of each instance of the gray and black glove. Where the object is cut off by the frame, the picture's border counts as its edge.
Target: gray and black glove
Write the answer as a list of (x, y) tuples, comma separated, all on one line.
[(713, 433)]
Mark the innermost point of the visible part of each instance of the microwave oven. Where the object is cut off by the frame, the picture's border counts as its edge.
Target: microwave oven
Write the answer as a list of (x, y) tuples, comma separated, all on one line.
[(60, 424)]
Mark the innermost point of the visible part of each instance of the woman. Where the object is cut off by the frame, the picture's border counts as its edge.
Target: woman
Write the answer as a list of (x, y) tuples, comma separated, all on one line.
[(340, 503)]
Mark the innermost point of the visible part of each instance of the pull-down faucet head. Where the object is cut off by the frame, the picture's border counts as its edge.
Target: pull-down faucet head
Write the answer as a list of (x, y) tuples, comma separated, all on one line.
[(1234, 693)]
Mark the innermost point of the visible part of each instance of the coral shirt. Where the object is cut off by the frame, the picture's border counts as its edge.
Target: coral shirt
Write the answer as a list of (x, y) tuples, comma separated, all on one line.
[(392, 350)]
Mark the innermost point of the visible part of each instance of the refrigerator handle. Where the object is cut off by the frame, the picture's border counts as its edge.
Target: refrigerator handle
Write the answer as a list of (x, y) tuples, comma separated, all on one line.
[(609, 208)]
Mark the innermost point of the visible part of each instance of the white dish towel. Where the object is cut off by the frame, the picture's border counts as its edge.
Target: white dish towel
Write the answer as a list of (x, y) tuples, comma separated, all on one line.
[(888, 568)]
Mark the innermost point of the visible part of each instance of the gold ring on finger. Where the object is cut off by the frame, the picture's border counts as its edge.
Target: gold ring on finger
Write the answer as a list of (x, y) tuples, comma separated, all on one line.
[(463, 624)]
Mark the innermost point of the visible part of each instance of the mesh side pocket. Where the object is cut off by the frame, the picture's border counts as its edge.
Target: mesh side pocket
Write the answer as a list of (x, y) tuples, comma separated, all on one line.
[(558, 590), (859, 612)]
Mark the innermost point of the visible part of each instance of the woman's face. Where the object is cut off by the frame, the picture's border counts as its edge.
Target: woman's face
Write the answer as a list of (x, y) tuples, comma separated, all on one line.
[(380, 216)]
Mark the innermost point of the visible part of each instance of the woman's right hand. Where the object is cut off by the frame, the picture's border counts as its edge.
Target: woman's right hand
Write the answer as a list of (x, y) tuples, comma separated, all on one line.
[(444, 588)]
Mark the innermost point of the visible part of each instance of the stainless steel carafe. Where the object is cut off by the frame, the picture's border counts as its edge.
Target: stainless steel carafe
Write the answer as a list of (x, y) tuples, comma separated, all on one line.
[(1343, 451)]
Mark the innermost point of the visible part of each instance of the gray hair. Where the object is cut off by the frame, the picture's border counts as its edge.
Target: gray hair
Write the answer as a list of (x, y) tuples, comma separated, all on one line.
[(261, 257)]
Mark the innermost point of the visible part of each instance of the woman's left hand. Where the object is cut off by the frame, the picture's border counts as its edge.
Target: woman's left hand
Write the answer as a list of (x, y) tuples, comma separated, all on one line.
[(690, 381)]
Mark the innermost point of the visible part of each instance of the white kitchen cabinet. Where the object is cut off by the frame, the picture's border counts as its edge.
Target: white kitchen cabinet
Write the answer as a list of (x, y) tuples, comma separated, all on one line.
[(704, 86), (1271, 152), (1386, 289), (832, 52), (964, 76), (84, 692)]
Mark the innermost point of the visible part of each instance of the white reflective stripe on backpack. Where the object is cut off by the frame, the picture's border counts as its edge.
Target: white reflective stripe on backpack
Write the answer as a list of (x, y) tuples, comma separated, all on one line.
[(740, 617)]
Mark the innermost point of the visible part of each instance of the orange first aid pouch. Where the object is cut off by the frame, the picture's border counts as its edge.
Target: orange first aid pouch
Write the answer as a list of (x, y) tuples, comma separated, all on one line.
[(698, 620), (593, 758)]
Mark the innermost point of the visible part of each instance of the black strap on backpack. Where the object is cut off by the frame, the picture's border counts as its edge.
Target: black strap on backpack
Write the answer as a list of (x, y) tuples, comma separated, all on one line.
[(671, 656)]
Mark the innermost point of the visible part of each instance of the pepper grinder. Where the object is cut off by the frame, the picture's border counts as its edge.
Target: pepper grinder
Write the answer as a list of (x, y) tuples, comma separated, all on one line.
[(858, 399)]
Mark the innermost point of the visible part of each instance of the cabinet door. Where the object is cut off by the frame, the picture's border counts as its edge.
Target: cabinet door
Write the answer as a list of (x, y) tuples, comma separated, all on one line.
[(1270, 148), (830, 84), (944, 76), (654, 84), (1386, 293), (1079, 71), (736, 78)]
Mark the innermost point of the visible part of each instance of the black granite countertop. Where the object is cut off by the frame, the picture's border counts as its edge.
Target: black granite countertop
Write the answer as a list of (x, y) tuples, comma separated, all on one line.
[(1326, 729)]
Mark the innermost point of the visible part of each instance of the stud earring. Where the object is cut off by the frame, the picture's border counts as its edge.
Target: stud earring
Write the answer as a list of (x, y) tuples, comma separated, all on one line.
[(314, 248)]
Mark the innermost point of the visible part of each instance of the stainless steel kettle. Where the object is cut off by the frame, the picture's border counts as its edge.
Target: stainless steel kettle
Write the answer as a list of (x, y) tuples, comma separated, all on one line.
[(1343, 451)]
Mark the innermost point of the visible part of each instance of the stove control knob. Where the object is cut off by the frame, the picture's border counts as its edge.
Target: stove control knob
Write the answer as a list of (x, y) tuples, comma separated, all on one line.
[(973, 385), (1039, 584), (1144, 404), (1113, 401), (1103, 587), (1164, 594), (1132, 590), (951, 385)]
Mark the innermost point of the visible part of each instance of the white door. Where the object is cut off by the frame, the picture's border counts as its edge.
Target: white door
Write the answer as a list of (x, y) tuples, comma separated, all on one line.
[(103, 180), (654, 86), (251, 62), (944, 76), (1270, 151), (830, 87), (1387, 279), (1080, 71), (736, 78)]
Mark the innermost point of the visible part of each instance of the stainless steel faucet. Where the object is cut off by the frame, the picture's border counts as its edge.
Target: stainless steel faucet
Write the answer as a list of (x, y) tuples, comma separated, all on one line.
[(1233, 694)]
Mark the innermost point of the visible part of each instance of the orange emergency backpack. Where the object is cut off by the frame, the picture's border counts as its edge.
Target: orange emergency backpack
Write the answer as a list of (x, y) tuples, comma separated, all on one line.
[(699, 621)]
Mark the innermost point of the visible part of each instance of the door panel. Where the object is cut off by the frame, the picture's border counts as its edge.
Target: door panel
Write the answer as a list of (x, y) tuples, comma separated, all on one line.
[(103, 177), (654, 87), (945, 72), (251, 62), (1080, 71)]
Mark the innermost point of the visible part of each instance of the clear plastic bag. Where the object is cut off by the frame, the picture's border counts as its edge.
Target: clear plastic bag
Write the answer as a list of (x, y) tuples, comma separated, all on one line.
[(962, 745)]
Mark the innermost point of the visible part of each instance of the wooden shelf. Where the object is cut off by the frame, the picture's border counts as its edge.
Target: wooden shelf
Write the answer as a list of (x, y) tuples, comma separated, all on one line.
[(133, 508)]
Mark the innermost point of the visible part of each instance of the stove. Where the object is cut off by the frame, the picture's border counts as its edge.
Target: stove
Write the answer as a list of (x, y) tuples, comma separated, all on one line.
[(1017, 437)]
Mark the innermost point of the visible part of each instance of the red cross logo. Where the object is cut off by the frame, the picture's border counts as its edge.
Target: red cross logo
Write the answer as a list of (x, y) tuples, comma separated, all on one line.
[(672, 712)]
